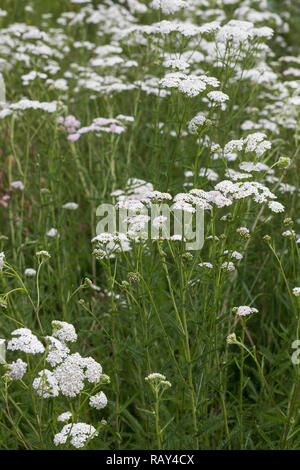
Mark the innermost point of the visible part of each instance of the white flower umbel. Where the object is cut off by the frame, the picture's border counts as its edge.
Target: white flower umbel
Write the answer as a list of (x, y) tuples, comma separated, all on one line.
[(228, 266), (29, 272), (52, 233), (73, 371), (167, 6), (244, 310), (70, 376), (25, 341), (78, 434), (64, 331), (98, 401), (64, 417), (71, 206), (46, 384), (57, 351), (276, 206), (296, 291), (17, 369)]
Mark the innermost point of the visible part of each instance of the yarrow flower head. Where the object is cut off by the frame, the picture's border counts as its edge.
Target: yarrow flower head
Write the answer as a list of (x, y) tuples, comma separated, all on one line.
[(29, 272), (168, 6), (158, 382), (98, 401), (17, 185), (17, 369), (46, 384), (276, 206), (244, 310), (43, 254), (289, 234), (71, 206), (196, 123), (64, 331), (78, 434), (64, 417), (25, 341), (243, 232), (296, 291), (228, 266), (218, 96)]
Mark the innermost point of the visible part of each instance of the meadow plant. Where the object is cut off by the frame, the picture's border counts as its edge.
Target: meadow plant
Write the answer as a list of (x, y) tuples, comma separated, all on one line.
[(159, 111)]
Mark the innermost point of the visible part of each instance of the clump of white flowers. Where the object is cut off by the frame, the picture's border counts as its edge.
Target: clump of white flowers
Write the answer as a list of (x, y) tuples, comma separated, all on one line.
[(64, 331), (196, 123), (17, 369), (68, 376), (78, 434), (29, 272), (243, 232), (52, 233), (168, 6), (296, 291), (276, 206), (244, 310), (64, 417), (43, 254), (24, 340), (228, 266), (46, 384), (71, 206), (157, 382), (98, 401), (289, 234), (217, 96)]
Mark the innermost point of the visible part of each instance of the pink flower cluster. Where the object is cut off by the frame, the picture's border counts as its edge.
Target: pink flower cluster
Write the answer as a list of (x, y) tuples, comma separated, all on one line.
[(72, 126), (6, 197)]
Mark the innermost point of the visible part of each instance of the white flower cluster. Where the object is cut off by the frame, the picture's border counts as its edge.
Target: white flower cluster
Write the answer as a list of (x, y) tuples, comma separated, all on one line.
[(71, 206), (17, 369), (46, 384), (197, 122), (244, 310), (64, 417), (78, 434), (158, 382), (98, 401), (218, 96), (296, 291), (242, 190), (25, 104), (228, 266), (70, 371), (57, 350), (168, 6), (241, 32), (25, 341), (64, 331), (189, 85), (255, 142), (29, 272), (73, 371)]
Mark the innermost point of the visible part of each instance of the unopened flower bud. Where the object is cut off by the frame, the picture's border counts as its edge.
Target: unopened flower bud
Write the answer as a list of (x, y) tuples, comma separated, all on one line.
[(284, 162), (133, 277)]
